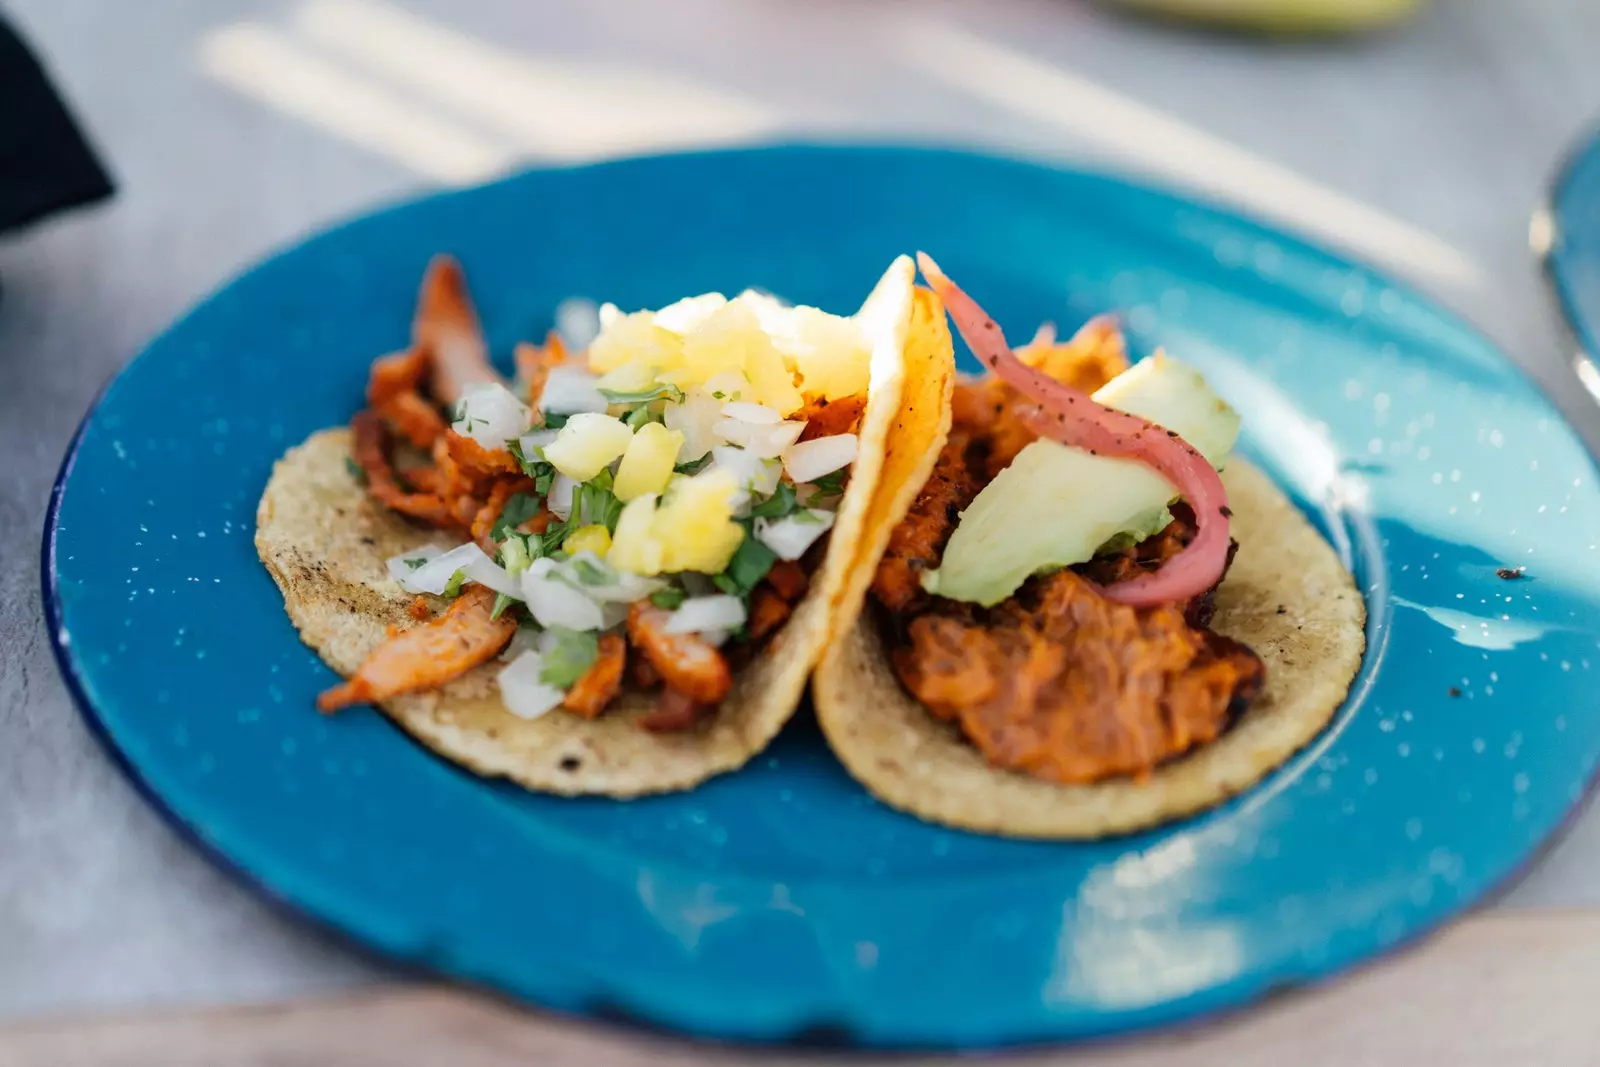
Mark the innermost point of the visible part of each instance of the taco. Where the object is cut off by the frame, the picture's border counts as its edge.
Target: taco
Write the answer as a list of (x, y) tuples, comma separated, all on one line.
[(1066, 622), (615, 573)]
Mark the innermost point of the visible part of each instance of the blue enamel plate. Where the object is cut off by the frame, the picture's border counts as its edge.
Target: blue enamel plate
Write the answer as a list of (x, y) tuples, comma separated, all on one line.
[(782, 902)]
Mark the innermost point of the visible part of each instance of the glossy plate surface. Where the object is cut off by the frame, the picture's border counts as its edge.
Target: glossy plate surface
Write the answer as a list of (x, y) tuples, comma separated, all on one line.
[(783, 902), (1571, 232)]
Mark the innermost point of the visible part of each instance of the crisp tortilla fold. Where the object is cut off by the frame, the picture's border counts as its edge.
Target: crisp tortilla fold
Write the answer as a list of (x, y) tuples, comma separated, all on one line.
[(325, 541), (1287, 596)]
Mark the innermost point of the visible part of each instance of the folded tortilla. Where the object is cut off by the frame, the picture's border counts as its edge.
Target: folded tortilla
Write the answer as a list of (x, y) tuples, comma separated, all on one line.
[(325, 542), (1287, 596)]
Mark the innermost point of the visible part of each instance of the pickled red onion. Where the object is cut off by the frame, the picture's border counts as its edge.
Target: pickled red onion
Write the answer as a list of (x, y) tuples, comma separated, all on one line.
[(1073, 418)]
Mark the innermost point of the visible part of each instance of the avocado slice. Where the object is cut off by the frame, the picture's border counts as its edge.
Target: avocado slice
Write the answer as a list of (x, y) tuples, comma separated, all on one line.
[(1056, 506)]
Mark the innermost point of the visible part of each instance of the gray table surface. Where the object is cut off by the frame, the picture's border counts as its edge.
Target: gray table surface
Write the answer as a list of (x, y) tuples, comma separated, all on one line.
[(1425, 150)]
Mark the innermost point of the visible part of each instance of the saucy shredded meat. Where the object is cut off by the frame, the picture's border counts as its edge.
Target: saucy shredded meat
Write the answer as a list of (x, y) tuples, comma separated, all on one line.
[(918, 542), (1066, 685), (674, 711), (1058, 682), (370, 451), (415, 464), (825, 418), (599, 685), (427, 656), (686, 662), (446, 326)]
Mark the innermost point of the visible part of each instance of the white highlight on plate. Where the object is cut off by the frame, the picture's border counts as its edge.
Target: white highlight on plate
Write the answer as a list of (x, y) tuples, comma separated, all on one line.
[(1138, 134), (262, 64), (564, 109)]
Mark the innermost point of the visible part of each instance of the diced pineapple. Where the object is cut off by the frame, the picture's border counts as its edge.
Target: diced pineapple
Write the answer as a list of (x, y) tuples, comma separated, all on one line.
[(694, 524), (587, 444), (686, 315), (771, 379), (634, 547), (633, 338), (719, 344), (830, 352), (647, 464), (595, 538), (628, 378)]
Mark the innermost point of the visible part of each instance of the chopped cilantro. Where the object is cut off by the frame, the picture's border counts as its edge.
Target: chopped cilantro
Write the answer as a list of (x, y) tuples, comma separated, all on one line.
[(669, 598), (452, 588), (534, 467), (694, 466), (549, 542), (529, 466), (570, 654), (459, 412), (595, 504), (355, 471), (591, 573), (808, 515), (501, 603), (780, 504), (832, 483), (554, 420), (415, 562), (518, 510), (642, 416), (514, 555), (750, 564), (829, 485), (719, 395), (660, 391)]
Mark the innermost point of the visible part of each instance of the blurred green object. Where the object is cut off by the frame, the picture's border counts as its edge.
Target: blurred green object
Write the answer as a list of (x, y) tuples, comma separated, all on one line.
[(1282, 16)]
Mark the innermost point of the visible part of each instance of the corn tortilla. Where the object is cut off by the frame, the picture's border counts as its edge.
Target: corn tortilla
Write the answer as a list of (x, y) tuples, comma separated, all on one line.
[(325, 542), (1287, 596)]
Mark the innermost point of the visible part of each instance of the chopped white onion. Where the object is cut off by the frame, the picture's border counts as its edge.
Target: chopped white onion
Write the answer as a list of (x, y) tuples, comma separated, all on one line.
[(790, 537), (532, 442), (578, 321), (491, 415), (400, 568), (524, 694), (745, 411), (620, 587), (715, 637), (560, 499), (571, 390), (486, 571), (767, 440), (810, 460), (524, 639), (698, 614), (434, 575), (554, 601), (696, 418), (754, 476)]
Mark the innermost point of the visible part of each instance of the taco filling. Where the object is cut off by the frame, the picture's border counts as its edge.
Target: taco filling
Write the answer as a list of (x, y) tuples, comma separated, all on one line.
[(1051, 587), (642, 514)]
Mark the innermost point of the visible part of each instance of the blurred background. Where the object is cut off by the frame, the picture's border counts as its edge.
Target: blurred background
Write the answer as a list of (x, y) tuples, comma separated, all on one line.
[(1420, 137)]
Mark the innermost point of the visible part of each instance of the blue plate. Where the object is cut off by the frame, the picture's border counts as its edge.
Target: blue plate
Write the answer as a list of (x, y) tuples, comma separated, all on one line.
[(782, 902), (1572, 250)]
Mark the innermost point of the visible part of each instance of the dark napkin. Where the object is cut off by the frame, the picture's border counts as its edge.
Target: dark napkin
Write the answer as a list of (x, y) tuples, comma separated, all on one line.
[(46, 165)]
